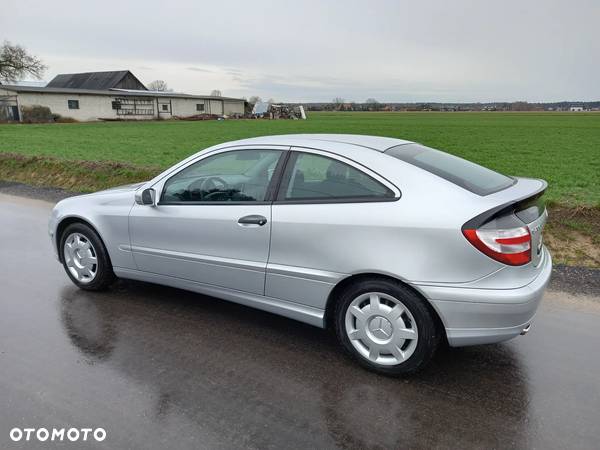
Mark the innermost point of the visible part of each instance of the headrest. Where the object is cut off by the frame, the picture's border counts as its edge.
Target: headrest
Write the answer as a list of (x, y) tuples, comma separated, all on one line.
[(299, 176), (336, 171)]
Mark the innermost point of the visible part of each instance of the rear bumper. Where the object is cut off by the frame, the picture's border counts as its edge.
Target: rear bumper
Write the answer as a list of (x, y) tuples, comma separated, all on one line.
[(474, 316)]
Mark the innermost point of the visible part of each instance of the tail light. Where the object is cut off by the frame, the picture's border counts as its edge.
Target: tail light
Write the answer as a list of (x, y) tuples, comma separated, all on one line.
[(511, 246)]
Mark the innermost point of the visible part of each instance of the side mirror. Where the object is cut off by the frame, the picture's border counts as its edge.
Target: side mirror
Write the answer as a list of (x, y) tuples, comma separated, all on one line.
[(146, 197)]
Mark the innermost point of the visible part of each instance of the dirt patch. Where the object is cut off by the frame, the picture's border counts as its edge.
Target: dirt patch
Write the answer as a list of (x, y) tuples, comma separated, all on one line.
[(573, 235)]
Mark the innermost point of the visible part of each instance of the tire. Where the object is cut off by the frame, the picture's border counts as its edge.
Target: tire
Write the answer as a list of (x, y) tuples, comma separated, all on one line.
[(393, 331), (81, 249)]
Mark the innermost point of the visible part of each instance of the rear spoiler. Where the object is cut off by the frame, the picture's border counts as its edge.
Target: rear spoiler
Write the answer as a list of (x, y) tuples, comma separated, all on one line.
[(506, 208)]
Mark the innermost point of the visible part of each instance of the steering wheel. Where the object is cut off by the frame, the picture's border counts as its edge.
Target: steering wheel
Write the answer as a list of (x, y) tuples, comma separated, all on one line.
[(212, 183), (199, 189)]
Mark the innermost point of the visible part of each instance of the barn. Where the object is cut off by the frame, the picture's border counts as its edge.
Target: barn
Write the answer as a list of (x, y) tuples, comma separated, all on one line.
[(110, 95)]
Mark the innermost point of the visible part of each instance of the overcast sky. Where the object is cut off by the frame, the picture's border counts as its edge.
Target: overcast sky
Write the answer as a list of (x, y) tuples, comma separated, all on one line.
[(304, 50)]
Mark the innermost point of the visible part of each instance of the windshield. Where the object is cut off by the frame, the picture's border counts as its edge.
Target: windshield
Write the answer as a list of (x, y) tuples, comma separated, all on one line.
[(468, 175)]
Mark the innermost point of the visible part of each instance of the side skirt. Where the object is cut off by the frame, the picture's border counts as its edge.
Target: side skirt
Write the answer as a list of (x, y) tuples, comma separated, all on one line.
[(302, 313)]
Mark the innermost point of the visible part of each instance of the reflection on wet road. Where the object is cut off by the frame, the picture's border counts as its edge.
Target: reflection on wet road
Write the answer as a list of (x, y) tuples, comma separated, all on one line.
[(159, 367)]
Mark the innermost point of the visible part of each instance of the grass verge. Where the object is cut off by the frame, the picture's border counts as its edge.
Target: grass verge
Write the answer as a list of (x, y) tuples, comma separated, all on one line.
[(78, 176), (572, 233)]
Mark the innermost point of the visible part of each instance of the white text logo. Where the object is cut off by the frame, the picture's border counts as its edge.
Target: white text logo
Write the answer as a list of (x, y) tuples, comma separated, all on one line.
[(57, 434)]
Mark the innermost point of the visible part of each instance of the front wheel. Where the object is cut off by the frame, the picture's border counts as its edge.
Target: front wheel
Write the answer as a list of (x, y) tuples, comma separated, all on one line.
[(85, 258), (386, 327)]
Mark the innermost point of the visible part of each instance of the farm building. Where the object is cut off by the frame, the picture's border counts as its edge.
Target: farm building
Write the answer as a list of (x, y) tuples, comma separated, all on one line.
[(110, 95)]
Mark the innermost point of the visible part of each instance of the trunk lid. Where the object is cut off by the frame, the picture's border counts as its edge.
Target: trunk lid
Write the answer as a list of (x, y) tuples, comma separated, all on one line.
[(537, 241), (533, 213), (517, 206)]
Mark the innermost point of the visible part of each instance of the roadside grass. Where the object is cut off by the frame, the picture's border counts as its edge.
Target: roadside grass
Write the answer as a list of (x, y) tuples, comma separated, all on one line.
[(76, 176), (562, 148)]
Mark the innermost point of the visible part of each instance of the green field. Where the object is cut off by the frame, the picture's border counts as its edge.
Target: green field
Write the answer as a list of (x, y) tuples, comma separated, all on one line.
[(563, 148)]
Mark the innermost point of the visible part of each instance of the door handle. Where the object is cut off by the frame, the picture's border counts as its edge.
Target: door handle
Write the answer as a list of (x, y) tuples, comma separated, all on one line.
[(253, 219)]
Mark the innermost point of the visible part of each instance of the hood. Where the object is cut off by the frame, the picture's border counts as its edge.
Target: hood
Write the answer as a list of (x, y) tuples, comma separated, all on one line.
[(123, 188)]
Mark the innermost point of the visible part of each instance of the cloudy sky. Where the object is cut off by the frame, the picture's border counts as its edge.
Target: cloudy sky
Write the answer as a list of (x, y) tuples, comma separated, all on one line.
[(305, 50)]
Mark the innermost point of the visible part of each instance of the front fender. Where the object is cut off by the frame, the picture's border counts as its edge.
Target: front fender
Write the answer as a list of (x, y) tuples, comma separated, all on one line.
[(106, 212)]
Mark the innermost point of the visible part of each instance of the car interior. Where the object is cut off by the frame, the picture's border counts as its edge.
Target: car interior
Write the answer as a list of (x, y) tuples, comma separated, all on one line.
[(246, 177), (338, 181), (193, 185)]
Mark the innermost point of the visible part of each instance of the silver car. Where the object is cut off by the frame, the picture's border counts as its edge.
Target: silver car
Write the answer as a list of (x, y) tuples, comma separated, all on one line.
[(394, 245)]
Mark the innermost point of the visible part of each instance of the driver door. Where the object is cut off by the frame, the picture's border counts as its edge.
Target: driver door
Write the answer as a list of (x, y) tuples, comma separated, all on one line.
[(212, 221)]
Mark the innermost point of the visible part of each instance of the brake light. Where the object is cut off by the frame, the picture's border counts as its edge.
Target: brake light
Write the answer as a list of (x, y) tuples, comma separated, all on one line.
[(512, 246)]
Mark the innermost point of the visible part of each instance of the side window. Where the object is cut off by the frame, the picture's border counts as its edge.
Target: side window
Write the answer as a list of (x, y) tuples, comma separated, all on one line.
[(316, 177), (237, 176)]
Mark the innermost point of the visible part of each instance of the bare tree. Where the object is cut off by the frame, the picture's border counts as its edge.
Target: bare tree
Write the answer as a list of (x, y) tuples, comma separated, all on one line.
[(15, 63), (372, 104), (159, 85), (254, 100), (338, 101), (216, 93)]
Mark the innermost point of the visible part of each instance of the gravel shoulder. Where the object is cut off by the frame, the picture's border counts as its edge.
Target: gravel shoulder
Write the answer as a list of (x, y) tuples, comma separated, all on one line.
[(48, 194)]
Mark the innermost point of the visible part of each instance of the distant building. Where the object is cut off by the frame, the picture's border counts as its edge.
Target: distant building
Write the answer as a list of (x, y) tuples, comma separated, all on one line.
[(110, 95), (576, 108), (97, 81)]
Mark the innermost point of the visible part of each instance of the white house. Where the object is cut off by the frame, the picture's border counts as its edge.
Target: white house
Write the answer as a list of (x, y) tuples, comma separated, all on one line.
[(576, 108), (110, 95)]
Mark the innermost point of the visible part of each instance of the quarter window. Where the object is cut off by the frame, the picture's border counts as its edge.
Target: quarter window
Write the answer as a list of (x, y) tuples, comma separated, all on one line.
[(73, 104), (316, 177), (235, 176)]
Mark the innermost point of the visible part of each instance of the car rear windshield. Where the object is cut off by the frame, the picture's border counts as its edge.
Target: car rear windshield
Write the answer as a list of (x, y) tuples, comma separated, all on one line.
[(461, 172)]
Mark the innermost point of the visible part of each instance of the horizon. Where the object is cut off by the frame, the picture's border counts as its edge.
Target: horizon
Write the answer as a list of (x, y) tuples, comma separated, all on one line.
[(43, 83)]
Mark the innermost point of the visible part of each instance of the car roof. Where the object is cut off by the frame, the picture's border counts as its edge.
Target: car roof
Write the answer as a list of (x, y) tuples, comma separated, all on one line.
[(378, 143)]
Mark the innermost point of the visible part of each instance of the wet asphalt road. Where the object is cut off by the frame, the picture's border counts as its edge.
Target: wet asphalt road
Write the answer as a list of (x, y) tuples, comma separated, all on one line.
[(162, 368)]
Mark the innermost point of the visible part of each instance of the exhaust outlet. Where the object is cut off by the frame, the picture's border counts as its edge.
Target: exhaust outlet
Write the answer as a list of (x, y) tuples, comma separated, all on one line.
[(526, 329)]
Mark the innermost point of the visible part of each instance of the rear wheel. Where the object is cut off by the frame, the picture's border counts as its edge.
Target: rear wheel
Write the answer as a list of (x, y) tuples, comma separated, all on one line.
[(85, 258), (386, 327)]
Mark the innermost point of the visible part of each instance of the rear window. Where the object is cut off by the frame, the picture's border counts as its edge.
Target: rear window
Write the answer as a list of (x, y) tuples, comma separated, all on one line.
[(461, 172)]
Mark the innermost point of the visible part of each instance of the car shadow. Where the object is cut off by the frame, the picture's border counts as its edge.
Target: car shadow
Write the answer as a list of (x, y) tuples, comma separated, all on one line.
[(224, 364)]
